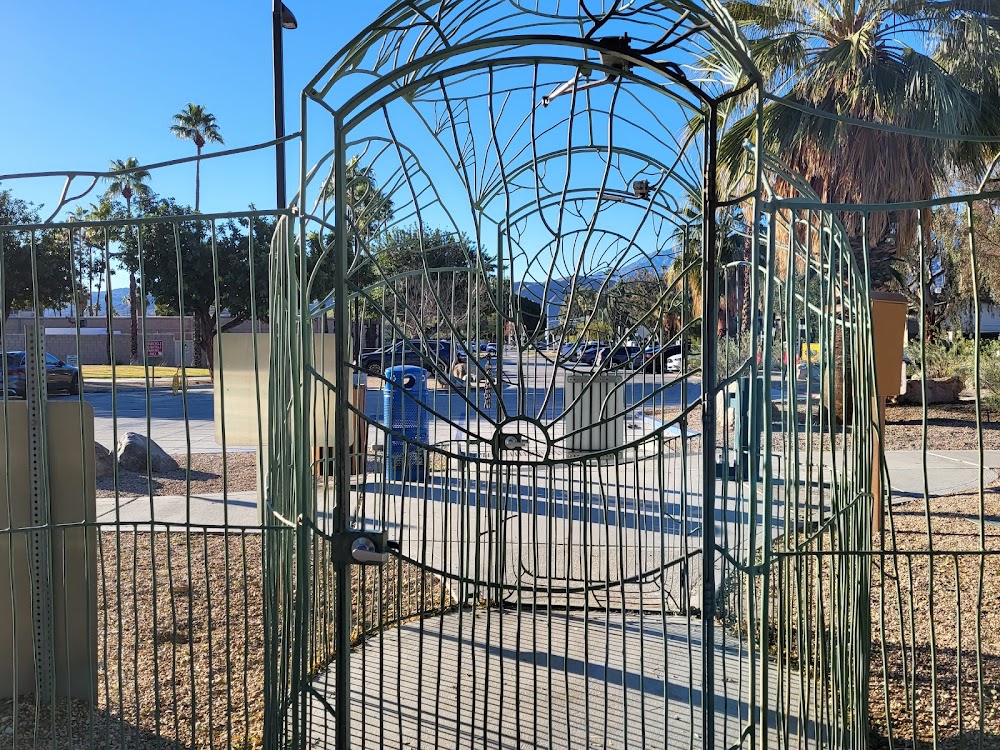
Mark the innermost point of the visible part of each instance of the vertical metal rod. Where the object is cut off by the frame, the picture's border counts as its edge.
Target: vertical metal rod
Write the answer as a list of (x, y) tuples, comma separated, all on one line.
[(341, 514), (709, 362)]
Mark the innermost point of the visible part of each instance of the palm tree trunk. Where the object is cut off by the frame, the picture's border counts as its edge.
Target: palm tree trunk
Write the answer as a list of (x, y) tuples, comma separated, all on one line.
[(134, 332), (197, 181)]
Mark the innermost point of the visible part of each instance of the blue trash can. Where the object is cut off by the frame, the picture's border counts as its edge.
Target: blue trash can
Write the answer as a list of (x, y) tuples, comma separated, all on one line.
[(405, 413)]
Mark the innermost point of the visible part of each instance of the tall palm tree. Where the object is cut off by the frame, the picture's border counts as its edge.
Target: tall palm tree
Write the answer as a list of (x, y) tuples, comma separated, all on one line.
[(97, 237), (906, 63), (129, 180), (193, 123)]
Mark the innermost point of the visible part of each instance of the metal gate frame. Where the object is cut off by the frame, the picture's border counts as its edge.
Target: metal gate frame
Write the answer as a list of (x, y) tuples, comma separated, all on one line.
[(427, 64)]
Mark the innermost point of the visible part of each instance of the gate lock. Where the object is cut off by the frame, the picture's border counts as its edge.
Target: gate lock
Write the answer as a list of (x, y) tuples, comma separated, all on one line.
[(362, 547)]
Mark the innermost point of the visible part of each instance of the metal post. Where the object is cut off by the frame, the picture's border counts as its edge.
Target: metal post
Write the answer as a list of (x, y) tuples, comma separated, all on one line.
[(40, 552), (342, 511), (709, 360), (281, 18)]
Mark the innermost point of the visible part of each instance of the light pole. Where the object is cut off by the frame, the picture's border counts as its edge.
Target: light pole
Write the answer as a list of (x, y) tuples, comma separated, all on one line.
[(281, 18)]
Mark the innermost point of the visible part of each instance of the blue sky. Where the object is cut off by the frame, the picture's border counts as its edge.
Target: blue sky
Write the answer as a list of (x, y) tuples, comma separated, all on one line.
[(86, 82)]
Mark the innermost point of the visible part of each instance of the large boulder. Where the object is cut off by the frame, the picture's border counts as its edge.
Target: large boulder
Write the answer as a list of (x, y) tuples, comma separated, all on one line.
[(939, 391), (104, 462), (133, 449)]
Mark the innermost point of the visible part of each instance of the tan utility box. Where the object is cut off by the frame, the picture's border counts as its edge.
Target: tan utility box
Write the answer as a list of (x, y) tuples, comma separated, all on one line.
[(595, 412), (241, 383), (72, 549), (241, 395), (888, 333)]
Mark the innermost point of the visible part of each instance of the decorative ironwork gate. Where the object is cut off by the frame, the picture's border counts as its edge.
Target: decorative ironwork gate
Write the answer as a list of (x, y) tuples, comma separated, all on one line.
[(585, 443)]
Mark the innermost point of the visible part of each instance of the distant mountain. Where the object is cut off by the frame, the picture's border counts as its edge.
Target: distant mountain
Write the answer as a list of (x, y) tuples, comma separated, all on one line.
[(119, 301)]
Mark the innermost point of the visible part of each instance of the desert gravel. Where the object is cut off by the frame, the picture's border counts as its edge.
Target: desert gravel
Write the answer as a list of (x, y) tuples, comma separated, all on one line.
[(938, 600), (181, 644)]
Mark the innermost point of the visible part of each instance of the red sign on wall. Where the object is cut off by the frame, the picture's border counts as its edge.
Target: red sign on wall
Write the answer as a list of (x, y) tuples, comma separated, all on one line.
[(154, 348)]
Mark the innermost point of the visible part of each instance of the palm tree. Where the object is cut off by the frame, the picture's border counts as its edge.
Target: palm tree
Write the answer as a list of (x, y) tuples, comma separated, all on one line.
[(918, 65), (128, 180), (193, 123)]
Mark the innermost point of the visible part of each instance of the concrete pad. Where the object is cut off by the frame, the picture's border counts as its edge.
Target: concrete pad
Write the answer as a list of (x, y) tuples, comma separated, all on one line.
[(211, 509), (534, 679), (948, 472)]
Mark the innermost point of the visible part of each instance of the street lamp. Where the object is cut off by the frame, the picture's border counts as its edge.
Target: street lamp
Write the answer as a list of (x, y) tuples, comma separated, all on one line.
[(281, 18)]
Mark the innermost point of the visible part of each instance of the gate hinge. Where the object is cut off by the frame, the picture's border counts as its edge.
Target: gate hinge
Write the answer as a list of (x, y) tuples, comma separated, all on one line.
[(361, 547)]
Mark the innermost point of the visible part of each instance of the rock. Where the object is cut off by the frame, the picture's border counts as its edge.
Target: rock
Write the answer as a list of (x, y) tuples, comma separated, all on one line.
[(132, 450), (939, 391), (104, 462)]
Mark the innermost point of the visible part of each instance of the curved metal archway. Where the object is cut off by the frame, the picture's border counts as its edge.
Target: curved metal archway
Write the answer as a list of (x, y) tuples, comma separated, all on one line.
[(493, 173)]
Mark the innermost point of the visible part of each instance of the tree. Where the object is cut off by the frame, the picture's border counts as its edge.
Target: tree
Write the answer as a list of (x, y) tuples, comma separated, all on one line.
[(847, 59), (193, 123), (637, 301), (52, 281), (180, 270), (88, 264), (97, 238), (579, 306), (368, 212), (948, 277), (422, 298), (128, 180), (530, 319)]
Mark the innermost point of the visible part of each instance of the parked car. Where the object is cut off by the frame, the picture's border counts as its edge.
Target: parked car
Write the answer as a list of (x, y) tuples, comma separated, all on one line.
[(58, 375), (568, 352), (587, 355), (433, 354), (662, 358), (620, 356)]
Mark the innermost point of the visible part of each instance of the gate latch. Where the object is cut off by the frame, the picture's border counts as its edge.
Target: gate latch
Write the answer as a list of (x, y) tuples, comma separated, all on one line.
[(362, 547)]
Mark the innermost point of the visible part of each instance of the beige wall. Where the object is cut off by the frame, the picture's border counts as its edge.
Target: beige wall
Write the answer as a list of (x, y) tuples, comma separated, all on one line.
[(91, 345), (73, 552)]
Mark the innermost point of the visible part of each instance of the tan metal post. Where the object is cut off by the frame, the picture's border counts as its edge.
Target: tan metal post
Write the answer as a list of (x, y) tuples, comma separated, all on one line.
[(888, 335)]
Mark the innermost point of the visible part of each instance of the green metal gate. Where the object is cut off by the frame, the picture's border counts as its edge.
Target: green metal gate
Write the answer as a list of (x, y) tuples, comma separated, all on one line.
[(512, 214)]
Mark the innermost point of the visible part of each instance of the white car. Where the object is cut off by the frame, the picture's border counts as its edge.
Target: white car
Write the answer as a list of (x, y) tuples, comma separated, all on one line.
[(674, 363)]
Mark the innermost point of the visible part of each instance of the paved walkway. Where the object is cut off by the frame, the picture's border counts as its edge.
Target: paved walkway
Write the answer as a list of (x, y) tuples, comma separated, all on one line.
[(948, 472), (210, 509), (525, 678)]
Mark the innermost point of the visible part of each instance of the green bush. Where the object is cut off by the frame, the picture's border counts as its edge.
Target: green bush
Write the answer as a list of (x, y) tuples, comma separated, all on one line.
[(943, 359)]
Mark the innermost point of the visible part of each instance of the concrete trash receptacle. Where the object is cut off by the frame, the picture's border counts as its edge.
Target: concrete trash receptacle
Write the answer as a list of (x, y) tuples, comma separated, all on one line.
[(405, 414), (595, 412)]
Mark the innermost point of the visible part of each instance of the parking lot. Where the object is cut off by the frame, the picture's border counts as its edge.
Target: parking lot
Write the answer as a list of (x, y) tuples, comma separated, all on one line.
[(183, 422)]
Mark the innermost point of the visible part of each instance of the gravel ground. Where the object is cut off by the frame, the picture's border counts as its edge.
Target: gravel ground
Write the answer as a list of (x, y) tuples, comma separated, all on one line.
[(949, 427), (206, 476), (181, 644), (943, 607)]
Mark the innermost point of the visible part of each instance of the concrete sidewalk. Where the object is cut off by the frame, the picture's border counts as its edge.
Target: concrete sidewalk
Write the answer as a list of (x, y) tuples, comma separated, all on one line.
[(948, 472), (210, 509)]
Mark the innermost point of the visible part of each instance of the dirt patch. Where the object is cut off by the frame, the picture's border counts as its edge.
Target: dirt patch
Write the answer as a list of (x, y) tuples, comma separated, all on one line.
[(949, 427), (201, 472), (181, 643), (935, 617)]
